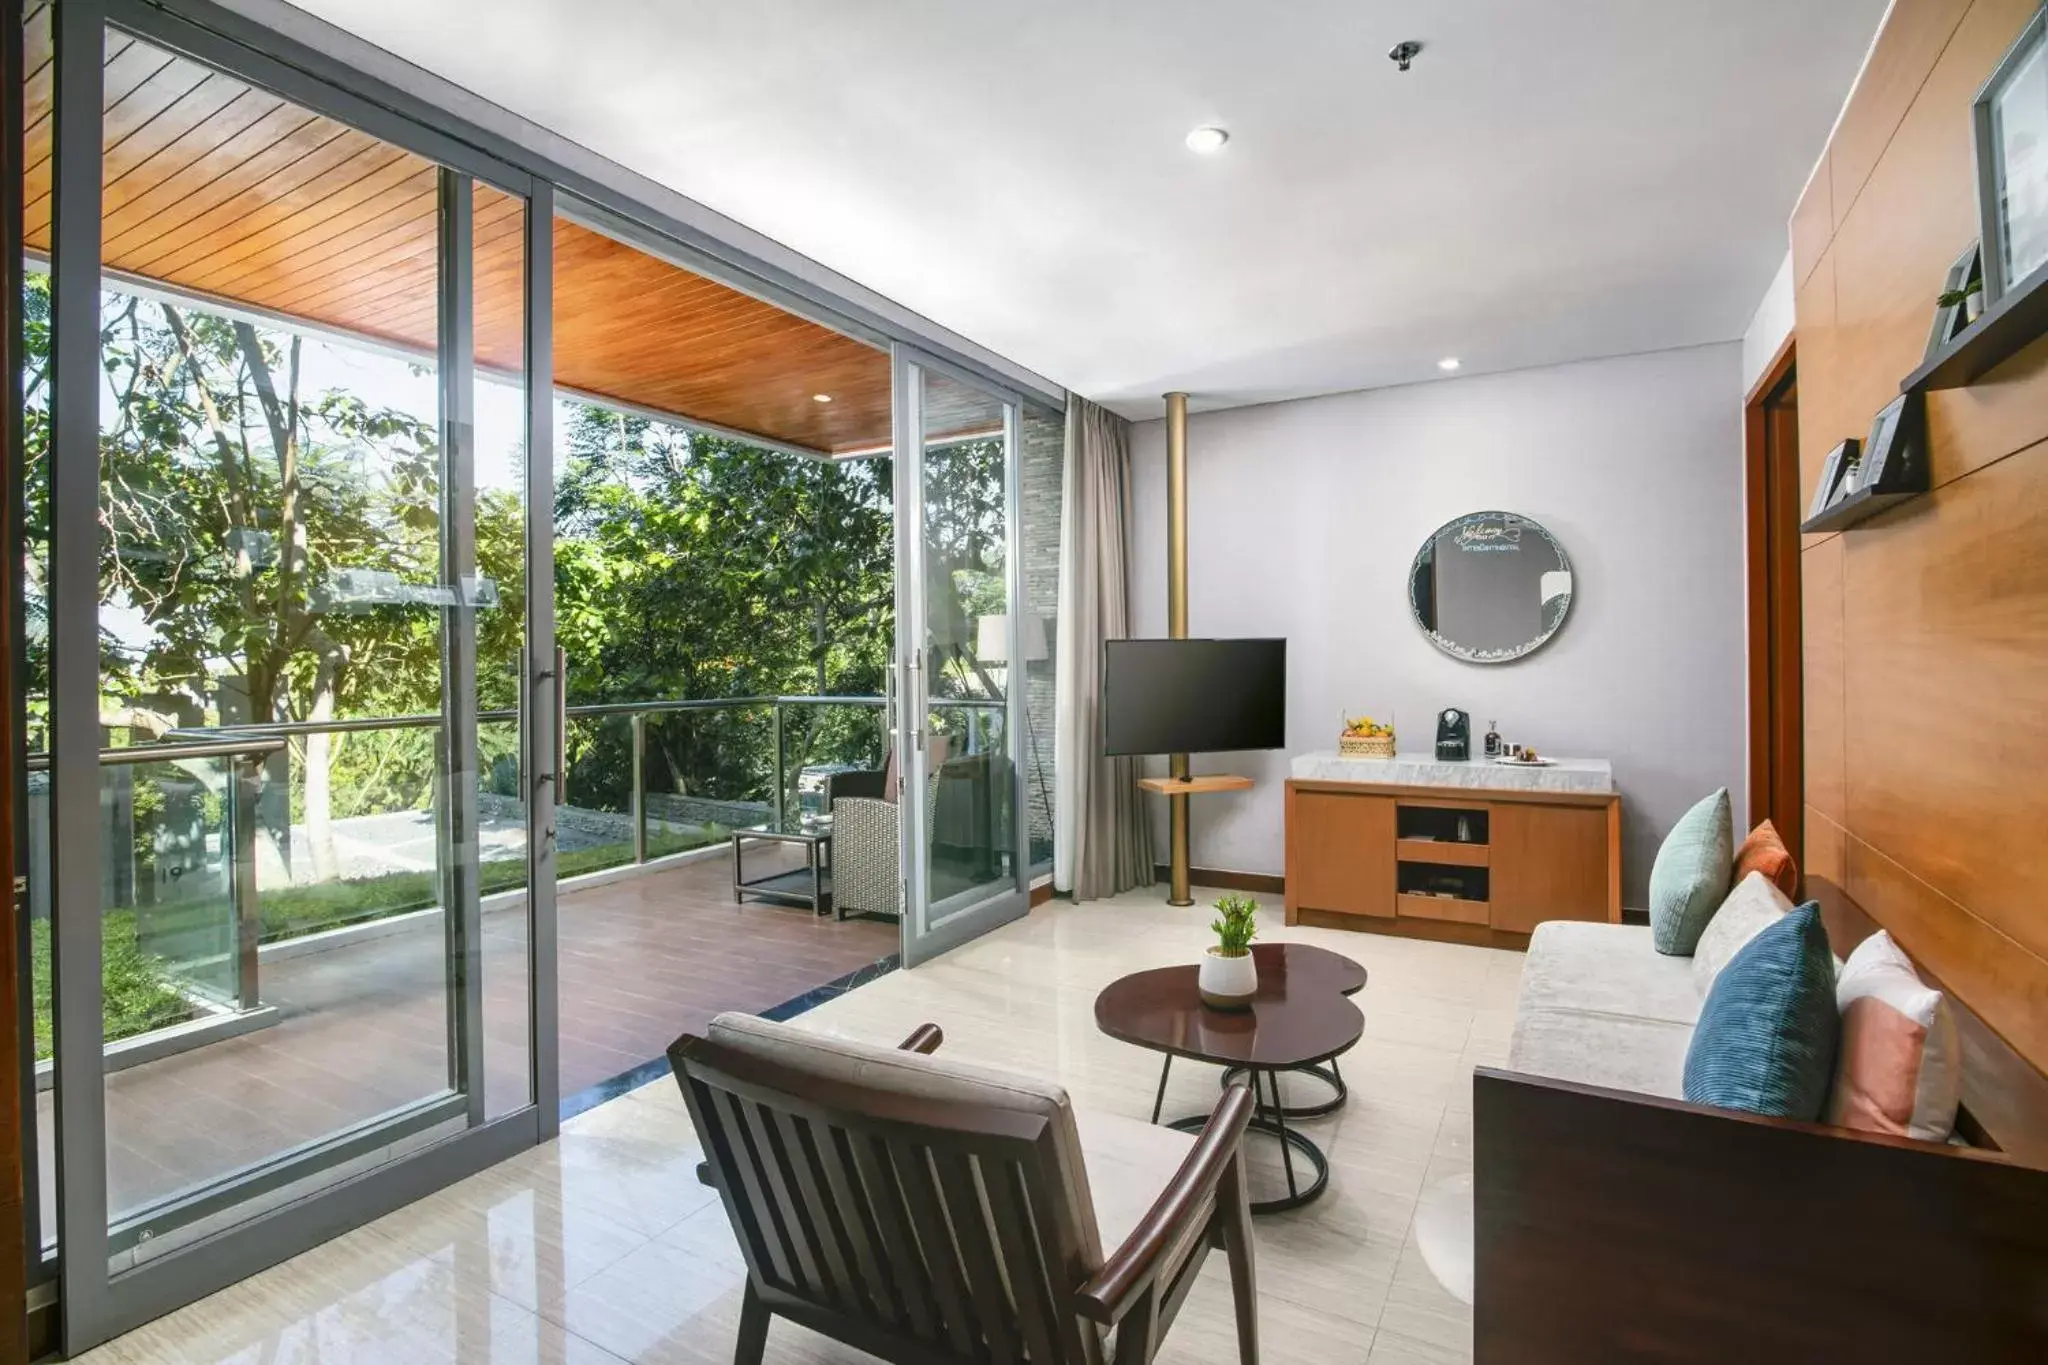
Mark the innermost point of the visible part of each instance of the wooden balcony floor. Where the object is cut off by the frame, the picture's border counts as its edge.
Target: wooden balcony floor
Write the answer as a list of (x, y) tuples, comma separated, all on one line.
[(364, 1028)]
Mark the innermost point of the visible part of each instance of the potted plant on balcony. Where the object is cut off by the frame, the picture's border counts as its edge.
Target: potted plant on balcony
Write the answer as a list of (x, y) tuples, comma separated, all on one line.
[(1229, 975)]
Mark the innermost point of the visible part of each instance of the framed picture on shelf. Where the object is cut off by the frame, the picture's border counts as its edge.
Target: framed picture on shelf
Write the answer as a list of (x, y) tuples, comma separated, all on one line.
[(1889, 452), (1833, 472), (2011, 117), (1960, 302)]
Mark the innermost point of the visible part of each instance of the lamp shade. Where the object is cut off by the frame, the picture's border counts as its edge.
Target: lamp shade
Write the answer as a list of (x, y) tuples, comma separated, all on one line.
[(992, 639)]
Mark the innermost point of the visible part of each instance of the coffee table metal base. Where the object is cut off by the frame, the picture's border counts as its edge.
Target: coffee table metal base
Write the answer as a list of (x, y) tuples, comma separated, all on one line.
[(1269, 1117), (1328, 1075)]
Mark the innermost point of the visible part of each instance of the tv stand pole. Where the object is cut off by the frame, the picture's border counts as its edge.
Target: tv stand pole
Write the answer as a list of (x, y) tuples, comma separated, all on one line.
[(1177, 789), (1177, 625), (1179, 785)]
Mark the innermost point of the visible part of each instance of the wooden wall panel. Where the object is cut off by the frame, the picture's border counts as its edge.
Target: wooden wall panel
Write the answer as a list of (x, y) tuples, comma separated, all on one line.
[(1889, 264), (1813, 224), (1915, 34), (1821, 690), (2000, 980), (1926, 630), (2006, 410), (1945, 627), (1827, 851), (1820, 376)]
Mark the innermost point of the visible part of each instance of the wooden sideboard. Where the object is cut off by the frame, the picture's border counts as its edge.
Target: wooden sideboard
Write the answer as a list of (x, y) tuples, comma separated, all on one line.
[(1377, 857)]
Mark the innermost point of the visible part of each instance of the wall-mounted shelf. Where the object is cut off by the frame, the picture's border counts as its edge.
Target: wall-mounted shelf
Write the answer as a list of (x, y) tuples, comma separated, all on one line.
[(2008, 325), (1861, 505), (1898, 442)]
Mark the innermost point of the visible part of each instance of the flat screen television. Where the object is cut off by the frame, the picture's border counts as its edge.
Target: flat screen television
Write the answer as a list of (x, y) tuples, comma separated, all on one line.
[(1193, 696)]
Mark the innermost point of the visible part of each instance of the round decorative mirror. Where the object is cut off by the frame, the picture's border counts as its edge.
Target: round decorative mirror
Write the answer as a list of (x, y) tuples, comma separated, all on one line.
[(1490, 587)]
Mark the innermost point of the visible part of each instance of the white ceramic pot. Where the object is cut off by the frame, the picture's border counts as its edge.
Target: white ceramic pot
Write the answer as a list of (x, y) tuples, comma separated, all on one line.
[(1227, 983)]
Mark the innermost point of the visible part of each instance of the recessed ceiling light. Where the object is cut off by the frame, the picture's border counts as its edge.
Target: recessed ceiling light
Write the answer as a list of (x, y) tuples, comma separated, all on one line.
[(821, 398), (1207, 139), (1448, 363)]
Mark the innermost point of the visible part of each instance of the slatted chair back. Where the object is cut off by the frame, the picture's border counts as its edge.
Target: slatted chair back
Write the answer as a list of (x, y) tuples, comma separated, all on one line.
[(920, 1230)]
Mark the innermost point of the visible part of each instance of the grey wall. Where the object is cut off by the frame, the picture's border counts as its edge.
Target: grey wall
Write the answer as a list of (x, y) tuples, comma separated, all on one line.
[(1303, 518)]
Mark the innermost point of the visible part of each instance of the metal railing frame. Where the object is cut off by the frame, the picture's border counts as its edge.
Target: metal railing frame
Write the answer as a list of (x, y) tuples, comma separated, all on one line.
[(250, 745)]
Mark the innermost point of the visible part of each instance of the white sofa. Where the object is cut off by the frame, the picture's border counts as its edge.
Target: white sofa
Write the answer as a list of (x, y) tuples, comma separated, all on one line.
[(1615, 1222), (1600, 1006)]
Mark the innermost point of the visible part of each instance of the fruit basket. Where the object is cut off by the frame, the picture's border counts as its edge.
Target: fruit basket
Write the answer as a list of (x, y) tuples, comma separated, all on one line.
[(1366, 738)]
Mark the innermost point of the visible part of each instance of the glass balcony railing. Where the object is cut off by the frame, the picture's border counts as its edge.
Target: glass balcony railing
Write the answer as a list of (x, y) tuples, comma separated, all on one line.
[(179, 933), (222, 843)]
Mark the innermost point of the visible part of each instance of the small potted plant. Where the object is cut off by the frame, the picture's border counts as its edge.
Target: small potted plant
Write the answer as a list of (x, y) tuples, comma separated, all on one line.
[(1229, 975)]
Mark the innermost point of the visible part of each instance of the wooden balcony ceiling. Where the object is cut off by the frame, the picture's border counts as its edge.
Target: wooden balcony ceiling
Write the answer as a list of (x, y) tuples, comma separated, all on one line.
[(229, 192)]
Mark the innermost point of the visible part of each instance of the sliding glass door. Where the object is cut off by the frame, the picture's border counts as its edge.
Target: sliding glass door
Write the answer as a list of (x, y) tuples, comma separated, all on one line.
[(962, 649), (291, 817)]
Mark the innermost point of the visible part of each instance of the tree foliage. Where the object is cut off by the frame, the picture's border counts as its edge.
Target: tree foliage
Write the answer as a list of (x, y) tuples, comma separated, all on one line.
[(695, 566), (269, 553)]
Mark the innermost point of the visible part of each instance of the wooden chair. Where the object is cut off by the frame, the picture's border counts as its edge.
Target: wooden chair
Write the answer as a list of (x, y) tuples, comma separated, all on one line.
[(933, 1213)]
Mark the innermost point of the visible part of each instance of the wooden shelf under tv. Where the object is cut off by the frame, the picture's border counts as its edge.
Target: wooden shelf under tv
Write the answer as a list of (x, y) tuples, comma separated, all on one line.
[(1195, 786)]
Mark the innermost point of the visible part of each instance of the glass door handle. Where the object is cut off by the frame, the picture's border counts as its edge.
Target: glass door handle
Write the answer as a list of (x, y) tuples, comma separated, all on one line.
[(558, 777), (561, 726)]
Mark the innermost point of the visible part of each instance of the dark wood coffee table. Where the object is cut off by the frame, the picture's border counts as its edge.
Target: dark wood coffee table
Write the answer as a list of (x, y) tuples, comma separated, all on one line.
[(1300, 1020)]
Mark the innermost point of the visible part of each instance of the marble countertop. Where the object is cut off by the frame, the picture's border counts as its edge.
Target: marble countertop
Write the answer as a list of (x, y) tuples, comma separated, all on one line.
[(1593, 776)]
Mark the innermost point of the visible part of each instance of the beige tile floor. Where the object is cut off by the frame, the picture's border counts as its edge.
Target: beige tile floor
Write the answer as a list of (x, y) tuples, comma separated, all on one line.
[(601, 1247)]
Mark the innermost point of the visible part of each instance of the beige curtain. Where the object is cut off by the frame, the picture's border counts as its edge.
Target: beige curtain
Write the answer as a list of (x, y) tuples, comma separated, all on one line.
[(1103, 842)]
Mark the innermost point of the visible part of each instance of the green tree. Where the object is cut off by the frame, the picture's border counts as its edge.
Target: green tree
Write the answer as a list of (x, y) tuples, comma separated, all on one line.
[(695, 566)]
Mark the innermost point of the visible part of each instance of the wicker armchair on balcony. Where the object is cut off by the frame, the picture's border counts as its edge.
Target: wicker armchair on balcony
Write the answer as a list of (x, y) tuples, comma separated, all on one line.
[(867, 875)]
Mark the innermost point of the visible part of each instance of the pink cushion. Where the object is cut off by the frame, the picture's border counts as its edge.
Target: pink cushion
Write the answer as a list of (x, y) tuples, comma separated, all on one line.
[(1898, 1070)]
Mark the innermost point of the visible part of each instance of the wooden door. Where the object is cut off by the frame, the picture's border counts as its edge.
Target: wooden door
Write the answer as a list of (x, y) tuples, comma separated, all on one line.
[(1340, 853), (1777, 772), (1551, 862)]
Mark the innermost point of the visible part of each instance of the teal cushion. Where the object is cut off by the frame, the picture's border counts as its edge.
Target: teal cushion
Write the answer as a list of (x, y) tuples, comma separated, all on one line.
[(1766, 1038), (1690, 878)]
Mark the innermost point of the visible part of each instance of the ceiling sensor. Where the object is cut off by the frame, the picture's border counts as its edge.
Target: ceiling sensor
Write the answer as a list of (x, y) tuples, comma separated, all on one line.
[(1403, 54)]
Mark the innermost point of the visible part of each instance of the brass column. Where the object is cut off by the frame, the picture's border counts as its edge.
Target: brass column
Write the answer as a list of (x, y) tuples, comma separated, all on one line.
[(1178, 892)]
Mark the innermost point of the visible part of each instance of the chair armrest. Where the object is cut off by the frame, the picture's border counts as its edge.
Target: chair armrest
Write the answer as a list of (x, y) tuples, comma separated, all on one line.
[(1129, 1269), (925, 1038), (853, 814)]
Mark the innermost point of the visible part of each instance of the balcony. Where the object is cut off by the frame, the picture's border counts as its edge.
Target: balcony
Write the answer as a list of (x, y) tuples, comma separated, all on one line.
[(270, 983)]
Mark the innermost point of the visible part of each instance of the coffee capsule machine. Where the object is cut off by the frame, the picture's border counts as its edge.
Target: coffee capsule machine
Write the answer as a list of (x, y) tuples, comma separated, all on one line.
[(1453, 736)]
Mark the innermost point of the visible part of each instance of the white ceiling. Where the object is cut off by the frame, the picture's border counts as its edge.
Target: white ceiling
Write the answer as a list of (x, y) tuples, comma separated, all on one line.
[(1555, 179)]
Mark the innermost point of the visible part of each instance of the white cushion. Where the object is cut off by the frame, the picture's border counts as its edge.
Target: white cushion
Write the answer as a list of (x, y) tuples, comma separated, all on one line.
[(1606, 969), (1899, 1068), (1623, 1052), (1130, 1163), (1752, 907)]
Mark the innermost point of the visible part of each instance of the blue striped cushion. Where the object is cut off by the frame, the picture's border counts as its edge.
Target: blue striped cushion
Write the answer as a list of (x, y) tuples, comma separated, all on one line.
[(1766, 1038)]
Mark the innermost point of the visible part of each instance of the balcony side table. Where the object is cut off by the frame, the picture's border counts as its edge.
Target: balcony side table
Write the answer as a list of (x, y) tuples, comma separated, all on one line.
[(809, 885)]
